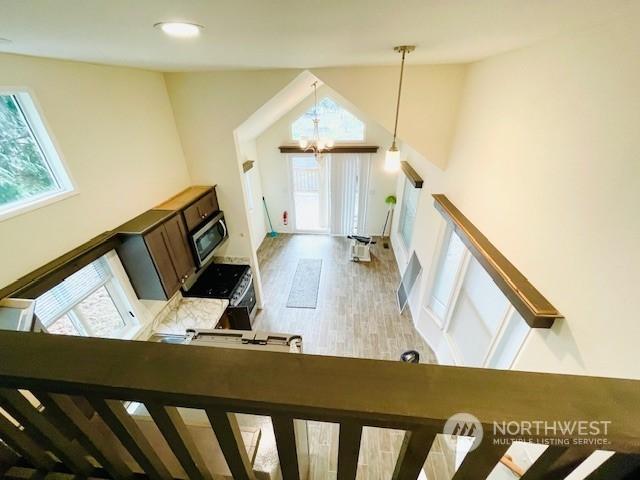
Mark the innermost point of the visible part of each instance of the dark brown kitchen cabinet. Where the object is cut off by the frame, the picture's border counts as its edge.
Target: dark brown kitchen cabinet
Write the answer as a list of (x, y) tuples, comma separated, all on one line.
[(201, 209), (155, 254)]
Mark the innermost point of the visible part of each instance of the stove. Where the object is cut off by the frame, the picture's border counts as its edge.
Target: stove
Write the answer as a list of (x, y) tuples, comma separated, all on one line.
[(219, 280), (232, 282)]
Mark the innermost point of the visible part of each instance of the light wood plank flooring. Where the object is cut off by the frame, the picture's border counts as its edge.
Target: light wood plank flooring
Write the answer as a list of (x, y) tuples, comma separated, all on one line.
[(356, 316)]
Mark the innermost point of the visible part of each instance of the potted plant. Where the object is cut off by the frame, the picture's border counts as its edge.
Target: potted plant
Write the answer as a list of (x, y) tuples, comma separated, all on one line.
[(391, 202)]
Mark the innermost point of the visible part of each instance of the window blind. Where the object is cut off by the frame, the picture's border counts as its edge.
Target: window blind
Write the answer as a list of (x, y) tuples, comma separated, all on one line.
[(54, 303)]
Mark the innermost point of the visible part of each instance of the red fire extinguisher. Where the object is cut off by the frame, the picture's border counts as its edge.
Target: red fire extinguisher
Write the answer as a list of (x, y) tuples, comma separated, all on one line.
[(285, 218)]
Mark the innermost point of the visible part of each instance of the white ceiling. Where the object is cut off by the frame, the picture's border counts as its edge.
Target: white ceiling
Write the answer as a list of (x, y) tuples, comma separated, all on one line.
[(288, 33)]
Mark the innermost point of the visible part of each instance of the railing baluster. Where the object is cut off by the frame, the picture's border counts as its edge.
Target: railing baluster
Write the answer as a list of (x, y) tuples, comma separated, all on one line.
[(23, 473), (24, 445), (413, 453), (113, 413), (43, 432), (478, 463), (225, 426), (287, 450), (348, 449), (64, 412), (556, 462), (7, 458), (172, 427), (617, 467)]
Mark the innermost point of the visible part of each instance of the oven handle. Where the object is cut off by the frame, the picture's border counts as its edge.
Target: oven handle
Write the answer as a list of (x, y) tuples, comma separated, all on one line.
[(246, 289), (224, 227)]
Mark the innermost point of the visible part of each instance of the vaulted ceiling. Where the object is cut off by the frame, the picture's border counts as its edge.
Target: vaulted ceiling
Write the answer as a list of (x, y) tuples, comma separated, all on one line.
[(288, 33)]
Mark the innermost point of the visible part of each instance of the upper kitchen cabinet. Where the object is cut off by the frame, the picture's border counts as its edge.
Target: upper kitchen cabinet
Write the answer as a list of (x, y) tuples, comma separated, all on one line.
[(155, 253), (196, 204)]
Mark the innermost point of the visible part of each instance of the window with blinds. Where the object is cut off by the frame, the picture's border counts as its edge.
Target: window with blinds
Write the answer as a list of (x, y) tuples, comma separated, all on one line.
[(89, 303)]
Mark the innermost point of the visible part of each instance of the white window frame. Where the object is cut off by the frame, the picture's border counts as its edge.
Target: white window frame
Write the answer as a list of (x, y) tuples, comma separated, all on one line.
[(50, 152), (445, 323), (120, 301), (337, 142)]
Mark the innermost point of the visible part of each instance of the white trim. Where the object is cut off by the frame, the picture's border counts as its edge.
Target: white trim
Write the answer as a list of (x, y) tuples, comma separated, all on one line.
[(35, 203), (51, 152), (502, 327)]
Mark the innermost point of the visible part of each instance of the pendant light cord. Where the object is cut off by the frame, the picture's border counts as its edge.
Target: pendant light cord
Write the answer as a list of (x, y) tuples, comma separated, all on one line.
[(395, 127)]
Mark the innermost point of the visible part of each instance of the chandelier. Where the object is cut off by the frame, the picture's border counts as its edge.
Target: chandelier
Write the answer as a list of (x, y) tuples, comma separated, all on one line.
[(316, 143)]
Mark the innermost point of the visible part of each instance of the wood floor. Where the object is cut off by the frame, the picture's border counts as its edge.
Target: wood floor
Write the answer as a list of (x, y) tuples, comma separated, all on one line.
[(356, 316)]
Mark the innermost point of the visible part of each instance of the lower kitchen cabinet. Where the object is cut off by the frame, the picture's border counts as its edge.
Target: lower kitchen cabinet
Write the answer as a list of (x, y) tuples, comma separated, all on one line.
[(239, 318)]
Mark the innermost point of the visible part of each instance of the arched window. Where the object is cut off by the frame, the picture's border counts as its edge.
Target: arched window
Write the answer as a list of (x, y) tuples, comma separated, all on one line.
[(335, 122)]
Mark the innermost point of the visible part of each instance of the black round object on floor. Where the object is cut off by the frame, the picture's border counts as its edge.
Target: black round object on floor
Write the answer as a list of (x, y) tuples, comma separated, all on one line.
[(410, 356)]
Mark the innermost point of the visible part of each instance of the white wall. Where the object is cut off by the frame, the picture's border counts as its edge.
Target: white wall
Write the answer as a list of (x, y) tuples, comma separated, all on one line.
[(429, 104), (116, 132), (249, 152), (208, 108), (545, 163), (274, 166)]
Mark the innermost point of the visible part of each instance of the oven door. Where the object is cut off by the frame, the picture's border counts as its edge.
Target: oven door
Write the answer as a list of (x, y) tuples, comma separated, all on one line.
[(208, 238)]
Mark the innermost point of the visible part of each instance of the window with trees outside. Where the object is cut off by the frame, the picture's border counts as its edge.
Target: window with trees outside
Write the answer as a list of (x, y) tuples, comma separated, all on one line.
[(88, 303), (31, 171), (336, 123)]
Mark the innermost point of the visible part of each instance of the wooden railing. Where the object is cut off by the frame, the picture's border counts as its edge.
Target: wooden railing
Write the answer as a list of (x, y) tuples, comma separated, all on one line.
[(73, 377)]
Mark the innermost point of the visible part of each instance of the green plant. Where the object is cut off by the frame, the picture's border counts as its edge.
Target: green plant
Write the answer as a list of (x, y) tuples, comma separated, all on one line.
[(390, 200)]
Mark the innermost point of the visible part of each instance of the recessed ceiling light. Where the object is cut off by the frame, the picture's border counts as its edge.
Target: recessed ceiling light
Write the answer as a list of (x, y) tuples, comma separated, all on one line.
[(180, 29)]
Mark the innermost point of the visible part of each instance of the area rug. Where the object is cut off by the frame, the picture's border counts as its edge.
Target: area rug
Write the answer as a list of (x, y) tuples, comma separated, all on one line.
[(306, 281)]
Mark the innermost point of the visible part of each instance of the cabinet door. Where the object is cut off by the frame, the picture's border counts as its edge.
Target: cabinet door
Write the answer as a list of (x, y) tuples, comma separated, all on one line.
[(158, 247), (204, 208), (208, 205), (179, 250)]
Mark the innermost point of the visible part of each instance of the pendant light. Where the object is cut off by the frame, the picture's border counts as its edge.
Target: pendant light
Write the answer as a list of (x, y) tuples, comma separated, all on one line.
[(392, 158)]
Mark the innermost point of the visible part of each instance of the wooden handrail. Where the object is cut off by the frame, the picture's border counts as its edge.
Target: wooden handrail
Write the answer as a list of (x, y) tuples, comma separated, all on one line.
[(536, 310), (351, 392)]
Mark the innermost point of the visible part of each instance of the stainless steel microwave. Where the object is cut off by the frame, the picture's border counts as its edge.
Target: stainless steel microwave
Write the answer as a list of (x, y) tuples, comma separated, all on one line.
[(207, 238)]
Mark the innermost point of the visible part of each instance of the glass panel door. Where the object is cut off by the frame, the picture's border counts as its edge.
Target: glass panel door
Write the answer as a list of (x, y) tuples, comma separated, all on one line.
[(310, 187)]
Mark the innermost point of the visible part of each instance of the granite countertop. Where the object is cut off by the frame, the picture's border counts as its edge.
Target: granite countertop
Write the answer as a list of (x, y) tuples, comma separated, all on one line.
[(184, 313)]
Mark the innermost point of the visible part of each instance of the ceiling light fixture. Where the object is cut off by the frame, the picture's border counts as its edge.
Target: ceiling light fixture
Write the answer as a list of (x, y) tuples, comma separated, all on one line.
[(180, 29), (316, 144), (392, 158)]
